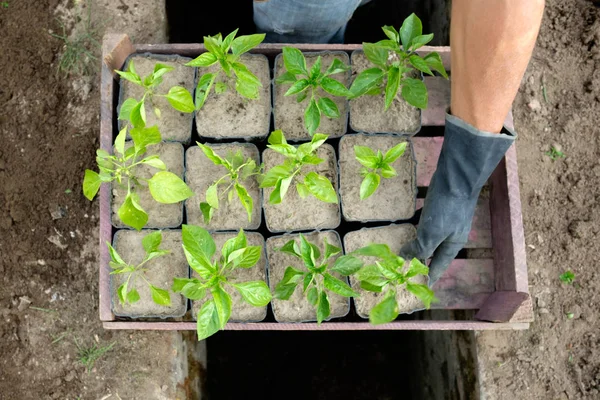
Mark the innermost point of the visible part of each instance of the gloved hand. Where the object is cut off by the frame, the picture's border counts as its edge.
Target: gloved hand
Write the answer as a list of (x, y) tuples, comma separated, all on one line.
[(468, 158)]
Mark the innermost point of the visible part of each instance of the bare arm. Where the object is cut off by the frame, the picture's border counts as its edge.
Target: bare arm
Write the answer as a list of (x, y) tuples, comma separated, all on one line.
[(492, 42)]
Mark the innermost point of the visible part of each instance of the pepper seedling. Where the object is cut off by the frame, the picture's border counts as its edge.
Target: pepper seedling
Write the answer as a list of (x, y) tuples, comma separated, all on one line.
[(397, 68), (217, 50), (199, 248), (165, 187), (304, 82), (134, 111), (281, 176), (316, 276), (390, 274), (127, 291), (238, 171), (375, 166)]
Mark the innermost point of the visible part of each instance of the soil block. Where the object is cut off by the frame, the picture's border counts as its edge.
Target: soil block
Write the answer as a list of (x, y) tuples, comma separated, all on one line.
[(241, 311), (394, 199), (367, 113), (395, 236), (295, 213), (297, 308), (173, 125), (289, 114), (159, 215), (229, 115), (160, 272), (200, 173)]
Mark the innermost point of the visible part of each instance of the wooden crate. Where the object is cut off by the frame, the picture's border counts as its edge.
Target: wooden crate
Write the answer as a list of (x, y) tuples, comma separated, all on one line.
[(496, 286)]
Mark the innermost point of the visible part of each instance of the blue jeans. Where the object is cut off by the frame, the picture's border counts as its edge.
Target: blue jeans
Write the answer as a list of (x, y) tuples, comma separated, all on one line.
[(304, 21)]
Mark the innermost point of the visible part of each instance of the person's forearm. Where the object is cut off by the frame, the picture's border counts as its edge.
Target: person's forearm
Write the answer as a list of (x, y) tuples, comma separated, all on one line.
[(492, 42)]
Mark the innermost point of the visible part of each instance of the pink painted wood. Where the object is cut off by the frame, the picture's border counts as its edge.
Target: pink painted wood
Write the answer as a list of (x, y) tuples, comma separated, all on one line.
[(468, 284), (501, 306)]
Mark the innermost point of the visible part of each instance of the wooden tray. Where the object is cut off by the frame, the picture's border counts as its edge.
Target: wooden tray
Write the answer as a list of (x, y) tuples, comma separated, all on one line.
[(495, 284)]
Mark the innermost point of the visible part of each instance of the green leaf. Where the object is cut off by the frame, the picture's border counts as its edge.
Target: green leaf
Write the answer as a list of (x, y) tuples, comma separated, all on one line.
[(376, 54), (410, 29), (330, 250), (422, 292), (384, 312), (138, 115), (308, 279), (317, 140), (320, 187), (280, 190), (414, 92), (180, 99), (366, 81), (421, 41), (347, 265), (212, 197), (245, 199), (316, 69), (131, 213), (389, 271), (160, 296), (242, 72), (366, 156), (277, 137), (222, 304), (246, 257), (369, 185), (143, 137), (91, 184), (312, 117), (334, 87), (372, 287), (210, 154), (416, 267), (394, 153), (328, 107), (247, 89), (122, 292), (294, 61), (387, 171), (151, 241), (307, 252), (154, 162), (290, 248), (120, 141), (391, 33), (133, 296), (160, 70), (199, 248), (299, 86), (207, 212), (203, 60), (274, 175), (193, 291), (227, 41), (179, 283), (285, 291), (213, 45), (233, 244), (302, 190), (323, 309), (287, 77), (114, 256), (203, 89), (208, 320), (567, 277), (255, 293), (220, 87), (243, 44), (419, 64), (285, 149), (336, 67), (130, 76), (302, 96), (338, 286), (126, 108), (393, 83), (167, 188), (312, 296), (389, 44), (434, 61)]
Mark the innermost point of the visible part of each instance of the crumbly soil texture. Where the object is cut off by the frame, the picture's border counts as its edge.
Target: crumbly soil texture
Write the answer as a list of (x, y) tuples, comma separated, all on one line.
[(395, 236), (368, 114), (160, 272), (173, 125), (295, 213), (200, 173), (228, 115), (394, 199), (160, 215), (289, 114), (297, 308), (241, 311)]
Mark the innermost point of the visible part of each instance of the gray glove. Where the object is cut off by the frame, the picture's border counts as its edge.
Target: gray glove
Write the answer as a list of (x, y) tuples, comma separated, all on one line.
[(468, 158)]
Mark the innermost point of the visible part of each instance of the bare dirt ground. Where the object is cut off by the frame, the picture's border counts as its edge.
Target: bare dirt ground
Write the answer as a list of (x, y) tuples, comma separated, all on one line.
[(48, 266)]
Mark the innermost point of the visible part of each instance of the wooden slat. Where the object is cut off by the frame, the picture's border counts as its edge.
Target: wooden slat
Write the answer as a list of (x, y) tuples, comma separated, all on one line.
[(422, 325), (466, 284), (501, 306), (439, 101), (427, 152), (115, 49)]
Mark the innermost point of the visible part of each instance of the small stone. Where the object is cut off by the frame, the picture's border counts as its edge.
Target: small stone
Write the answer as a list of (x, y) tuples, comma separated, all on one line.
[(24, 303), (557, 147), (70, 376), (547, 129), (534, 105), (531, 80), (164, 388), (541, 303), (57, 212), (544, 311)]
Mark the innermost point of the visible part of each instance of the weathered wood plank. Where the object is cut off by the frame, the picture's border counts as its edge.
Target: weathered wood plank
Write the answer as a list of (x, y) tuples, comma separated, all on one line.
[(466, 284), (439, 101), (427, 153), (501, 306)]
